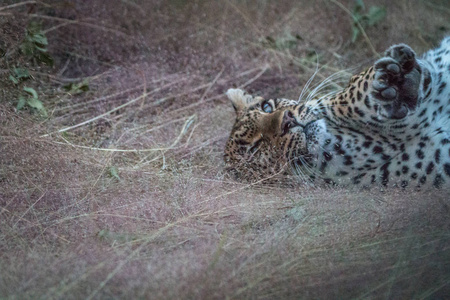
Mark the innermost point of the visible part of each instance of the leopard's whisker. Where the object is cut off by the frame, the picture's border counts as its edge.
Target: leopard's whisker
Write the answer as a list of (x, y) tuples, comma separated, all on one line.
[(330, 80), (299, 172), (309, 81)]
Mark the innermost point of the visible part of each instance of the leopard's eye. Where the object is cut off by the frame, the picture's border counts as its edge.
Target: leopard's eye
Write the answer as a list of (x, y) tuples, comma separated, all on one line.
[(267, 107)]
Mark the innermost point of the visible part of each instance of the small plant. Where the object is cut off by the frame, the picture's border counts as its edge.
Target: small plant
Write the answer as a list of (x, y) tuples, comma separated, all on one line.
[(19, 74), (34, 48), (114, 173), (77, 88), (287, 41), (30, 98), (365, 19), (35, 44)]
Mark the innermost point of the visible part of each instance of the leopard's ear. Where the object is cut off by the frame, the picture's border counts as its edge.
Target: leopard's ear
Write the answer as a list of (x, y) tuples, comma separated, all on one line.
[(241, 100)]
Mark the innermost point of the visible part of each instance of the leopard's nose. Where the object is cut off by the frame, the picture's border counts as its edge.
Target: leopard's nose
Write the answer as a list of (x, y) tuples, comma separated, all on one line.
[(288, 122), (288, 116)]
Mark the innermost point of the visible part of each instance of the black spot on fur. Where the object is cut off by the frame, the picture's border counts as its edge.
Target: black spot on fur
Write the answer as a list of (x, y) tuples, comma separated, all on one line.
[(385, 157), (420, 154), (327, 156), (377, 149), (359, 112), (348, 160), (341, 173), (441, 87), (358, 96), (437, 156), (447, 169), (422, 112), (366, 102), (438, 181), (357, 179), (430, 168), (423, 179), (385, 173), (405, 169), (366, 144)]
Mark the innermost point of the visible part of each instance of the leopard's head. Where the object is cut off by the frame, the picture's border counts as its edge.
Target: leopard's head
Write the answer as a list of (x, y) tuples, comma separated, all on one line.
[(267, 135)]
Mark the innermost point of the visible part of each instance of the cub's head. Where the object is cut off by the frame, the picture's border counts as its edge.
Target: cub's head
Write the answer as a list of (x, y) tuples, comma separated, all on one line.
[(267, 135)]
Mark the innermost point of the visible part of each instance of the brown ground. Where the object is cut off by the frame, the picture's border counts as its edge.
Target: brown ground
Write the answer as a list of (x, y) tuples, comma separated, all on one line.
[(134, 203)]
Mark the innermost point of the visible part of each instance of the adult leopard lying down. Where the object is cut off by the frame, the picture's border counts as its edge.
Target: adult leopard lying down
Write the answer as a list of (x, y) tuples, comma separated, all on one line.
[(390, 126)]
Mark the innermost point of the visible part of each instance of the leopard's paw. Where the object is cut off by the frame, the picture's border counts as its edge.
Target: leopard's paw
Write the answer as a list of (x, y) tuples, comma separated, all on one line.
[(396, 82)]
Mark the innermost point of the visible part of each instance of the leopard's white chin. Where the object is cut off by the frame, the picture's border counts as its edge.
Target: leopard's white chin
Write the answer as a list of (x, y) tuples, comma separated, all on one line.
[(316, 133)]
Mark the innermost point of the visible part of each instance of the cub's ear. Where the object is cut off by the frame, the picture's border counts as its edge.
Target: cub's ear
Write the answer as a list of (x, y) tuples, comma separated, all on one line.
[(241, 100)]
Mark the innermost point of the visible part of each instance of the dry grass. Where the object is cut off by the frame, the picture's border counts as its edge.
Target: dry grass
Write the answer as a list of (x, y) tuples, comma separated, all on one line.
[(173, 225)]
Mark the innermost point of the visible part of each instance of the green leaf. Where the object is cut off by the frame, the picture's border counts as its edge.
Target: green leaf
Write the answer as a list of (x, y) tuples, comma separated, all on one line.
[(39, 38), (286, 42), (359, 7), (376, 14), (269, 42), (31, 91), (360, 3), (311, 56), (102, 234), (34, 27), (69, 87), (35, 103), (84, 87), (21, 103), (77, 88), (13, 79), (270, 39), (21, 73), (45, 58), (35, 44), (41, 49), (114, 172), (26, 48)]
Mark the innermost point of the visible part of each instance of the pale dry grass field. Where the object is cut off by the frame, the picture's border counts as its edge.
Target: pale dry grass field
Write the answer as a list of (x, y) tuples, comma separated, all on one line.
[(120, 192)]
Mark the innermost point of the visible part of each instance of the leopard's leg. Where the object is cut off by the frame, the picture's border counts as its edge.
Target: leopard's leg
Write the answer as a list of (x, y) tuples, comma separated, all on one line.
[(397, 82), (380, 97)]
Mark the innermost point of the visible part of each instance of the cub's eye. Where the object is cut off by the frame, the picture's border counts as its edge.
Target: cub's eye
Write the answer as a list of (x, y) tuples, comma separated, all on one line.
[(267, 107)]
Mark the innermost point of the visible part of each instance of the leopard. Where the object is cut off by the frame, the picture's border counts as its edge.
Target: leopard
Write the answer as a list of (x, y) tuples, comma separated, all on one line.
[(390, 126)]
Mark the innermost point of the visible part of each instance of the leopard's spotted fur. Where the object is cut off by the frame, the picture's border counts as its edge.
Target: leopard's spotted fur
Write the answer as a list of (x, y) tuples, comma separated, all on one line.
[(390, 126)]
